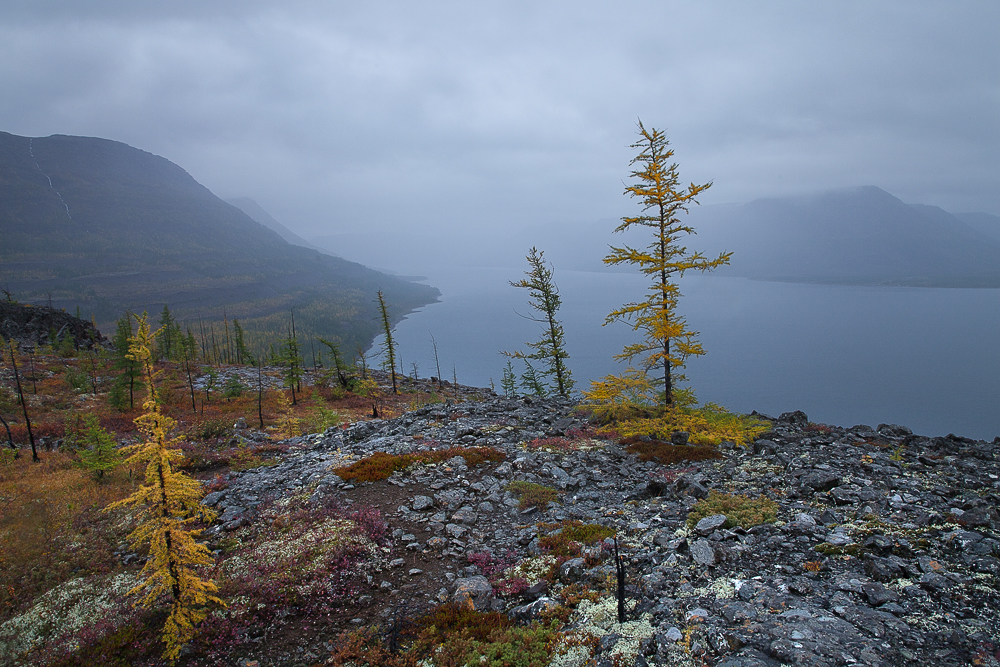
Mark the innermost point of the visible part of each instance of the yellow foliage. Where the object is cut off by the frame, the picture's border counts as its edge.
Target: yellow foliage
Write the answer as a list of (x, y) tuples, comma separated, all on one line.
[(708, 425), (618, 397), (627, 402), (288, 426), (168, 502), (667, 341)]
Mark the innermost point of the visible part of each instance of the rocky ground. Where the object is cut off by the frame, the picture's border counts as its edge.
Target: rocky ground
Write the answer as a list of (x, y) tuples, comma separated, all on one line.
[(32, 326), (885, 549)]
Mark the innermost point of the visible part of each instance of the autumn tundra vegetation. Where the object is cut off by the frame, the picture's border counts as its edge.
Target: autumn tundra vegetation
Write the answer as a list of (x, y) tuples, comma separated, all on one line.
[(104, 526)]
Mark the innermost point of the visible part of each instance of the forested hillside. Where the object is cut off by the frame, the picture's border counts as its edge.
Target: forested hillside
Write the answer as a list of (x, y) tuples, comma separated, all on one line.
[(98, 225)]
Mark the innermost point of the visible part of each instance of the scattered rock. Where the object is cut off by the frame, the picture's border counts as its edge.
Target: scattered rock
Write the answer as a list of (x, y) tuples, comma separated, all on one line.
[(475, 591), (885, 543)]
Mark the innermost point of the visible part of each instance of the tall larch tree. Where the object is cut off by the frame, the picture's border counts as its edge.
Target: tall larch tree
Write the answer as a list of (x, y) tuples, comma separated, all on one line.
[(667, 341), (168, 503)]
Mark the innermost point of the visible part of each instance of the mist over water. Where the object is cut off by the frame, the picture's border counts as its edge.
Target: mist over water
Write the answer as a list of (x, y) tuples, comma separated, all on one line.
[(845, 355)]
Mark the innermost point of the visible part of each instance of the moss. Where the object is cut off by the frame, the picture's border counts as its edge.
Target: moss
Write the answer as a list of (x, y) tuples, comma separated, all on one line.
[(530, 494), (739, 510)]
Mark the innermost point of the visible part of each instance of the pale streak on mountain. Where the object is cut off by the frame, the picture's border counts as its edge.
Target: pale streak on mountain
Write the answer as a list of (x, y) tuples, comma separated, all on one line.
[(33, 159)]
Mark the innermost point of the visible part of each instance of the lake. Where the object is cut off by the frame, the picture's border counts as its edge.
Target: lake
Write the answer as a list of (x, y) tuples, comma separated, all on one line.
[(845, 355)]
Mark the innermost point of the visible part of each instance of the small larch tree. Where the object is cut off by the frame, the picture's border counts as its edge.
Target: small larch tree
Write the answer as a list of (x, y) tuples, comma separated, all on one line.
[(168, 503), (667, 341), (544, 298), (243, 355), (340, 367), (98, 452), (389, 347), (290, 358), (129, 377)]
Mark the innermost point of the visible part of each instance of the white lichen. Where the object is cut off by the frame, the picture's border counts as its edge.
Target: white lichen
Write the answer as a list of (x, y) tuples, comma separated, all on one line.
[(599, 619), (63, 612), (531, 570)]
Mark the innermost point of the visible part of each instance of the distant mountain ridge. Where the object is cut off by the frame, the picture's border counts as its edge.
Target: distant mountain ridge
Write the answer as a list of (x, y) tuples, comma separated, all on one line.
[(861, 235), (103, 226), (852, 236), (258, 214)]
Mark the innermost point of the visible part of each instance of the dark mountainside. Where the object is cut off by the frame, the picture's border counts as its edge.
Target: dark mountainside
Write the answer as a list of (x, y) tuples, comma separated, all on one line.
[(856, 236), (102, 226)]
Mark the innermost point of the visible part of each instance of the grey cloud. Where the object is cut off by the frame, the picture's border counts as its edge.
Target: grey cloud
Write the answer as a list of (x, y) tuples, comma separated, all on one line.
[(459, 115)]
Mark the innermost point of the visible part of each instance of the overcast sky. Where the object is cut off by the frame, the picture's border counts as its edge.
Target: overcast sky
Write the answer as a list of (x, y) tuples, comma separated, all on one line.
[(381, 115)]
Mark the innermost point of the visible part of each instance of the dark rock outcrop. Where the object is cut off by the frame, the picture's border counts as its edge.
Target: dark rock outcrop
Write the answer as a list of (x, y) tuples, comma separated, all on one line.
[(32, 326)]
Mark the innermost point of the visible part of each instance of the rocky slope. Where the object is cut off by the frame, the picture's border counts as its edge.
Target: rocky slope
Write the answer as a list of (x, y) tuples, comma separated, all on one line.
[(34, 325), (884, 552)]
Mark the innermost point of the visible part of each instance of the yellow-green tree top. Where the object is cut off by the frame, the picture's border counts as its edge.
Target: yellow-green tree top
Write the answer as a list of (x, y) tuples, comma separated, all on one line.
[(667, 340), (168, 502)]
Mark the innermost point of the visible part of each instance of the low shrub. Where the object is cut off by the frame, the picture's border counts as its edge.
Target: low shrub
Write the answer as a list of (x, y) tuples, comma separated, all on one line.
[(301, 559), (322, 419), (451, 619), (515, 647), (376, 467), (113, 644), (627, 405), (498, 570), (381, 465), (530, 494), (571, 535), (365, 647), (710, 424), (77, 379), (739, 510), (214, 429), (453, 636), (666, 453)]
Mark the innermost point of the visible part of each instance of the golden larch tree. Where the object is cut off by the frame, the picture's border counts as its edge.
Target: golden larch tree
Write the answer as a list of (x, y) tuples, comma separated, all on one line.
[(667, 342), (168, 502)]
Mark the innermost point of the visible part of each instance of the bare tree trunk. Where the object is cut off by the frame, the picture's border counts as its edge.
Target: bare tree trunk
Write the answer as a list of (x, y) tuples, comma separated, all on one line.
[(10, 438), (24, 406)]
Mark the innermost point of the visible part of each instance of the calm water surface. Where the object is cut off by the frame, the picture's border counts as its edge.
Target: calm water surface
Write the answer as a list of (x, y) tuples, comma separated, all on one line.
[(923, 358)]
